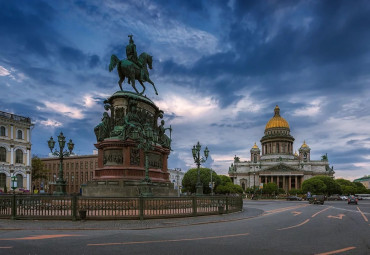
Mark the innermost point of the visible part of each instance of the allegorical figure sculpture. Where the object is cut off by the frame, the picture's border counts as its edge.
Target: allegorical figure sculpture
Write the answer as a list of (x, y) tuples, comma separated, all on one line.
[(102, 130), (134, 68)]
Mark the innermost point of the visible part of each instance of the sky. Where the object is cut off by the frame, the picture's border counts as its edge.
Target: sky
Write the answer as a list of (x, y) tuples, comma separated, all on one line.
[(220, 67)]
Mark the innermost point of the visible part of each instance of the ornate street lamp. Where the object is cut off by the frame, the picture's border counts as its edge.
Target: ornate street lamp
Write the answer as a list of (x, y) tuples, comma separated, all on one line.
[(60, 187), (199, 160)]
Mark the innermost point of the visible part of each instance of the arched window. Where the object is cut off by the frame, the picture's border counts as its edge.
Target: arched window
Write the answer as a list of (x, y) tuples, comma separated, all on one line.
[(19, 156), (2, 180), (19, 181), (255, 158), (19, 134), (2, 131), (2, 154)]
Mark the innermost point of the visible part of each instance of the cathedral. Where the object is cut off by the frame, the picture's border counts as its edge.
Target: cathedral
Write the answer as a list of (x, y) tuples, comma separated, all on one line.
[(278, 163)]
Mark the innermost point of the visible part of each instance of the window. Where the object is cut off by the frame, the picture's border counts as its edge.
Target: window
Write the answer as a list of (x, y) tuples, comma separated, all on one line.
[(19, 181), (81, 165), (19, 134), (2, 154), (19, 156), (76, 166), (2, 180), (86, 165), (2, 131)]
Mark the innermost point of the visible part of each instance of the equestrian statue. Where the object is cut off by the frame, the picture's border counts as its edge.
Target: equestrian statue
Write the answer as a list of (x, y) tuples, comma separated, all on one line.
[(134, 68)]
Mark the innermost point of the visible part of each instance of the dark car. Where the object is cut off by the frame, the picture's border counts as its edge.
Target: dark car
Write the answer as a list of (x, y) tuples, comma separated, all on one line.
[(317, 199), (334, 198), (352, 200), (291, 198)]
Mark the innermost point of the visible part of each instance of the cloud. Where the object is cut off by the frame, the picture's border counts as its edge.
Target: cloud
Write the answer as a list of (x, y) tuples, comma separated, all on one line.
[(63, 109), (50, 123), (4, 71)]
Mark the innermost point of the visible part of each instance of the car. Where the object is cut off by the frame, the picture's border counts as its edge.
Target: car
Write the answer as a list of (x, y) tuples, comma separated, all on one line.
[(344, 197), (334, 198), (317, 199), (352, 200), (291, 198)]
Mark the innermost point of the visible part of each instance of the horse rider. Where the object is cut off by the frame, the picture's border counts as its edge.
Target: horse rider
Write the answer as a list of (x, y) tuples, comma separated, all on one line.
[(132, 56)]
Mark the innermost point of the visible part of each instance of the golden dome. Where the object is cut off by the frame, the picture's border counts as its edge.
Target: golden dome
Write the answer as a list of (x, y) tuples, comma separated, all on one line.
[(304, 145), (255, 146), (296, 154), (277, 121)]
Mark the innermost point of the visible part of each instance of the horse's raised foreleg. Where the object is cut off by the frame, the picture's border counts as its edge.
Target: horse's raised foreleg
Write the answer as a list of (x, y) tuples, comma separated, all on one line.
[(155, 89), (143, 87)]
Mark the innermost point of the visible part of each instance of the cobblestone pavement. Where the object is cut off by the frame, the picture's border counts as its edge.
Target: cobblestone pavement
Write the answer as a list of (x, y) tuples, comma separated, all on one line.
[(124, 224)]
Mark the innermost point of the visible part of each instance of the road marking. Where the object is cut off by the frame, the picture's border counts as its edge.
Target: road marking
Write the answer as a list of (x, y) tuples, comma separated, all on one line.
[(295, 226), (36, 237), (320, 211), (171, 240), (283, 209), (296, 213), (340, 216), (363, 215), (337, 251)]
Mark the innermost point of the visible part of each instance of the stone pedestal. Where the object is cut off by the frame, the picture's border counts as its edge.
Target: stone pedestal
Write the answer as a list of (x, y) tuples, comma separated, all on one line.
[(121, 161)]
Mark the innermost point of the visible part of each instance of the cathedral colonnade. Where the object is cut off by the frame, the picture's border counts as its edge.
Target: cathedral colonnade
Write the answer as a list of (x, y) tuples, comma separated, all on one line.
[(286, 182)]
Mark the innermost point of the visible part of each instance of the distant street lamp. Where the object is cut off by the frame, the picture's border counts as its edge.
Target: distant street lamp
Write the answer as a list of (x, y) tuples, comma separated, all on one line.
[(198, 160), (60, 187), (14, 183)]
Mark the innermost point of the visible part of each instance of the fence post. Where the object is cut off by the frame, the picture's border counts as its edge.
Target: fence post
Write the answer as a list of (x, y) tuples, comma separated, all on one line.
[(14, 208), (74, 207), (194, 202), (141, 207), (227, 204)]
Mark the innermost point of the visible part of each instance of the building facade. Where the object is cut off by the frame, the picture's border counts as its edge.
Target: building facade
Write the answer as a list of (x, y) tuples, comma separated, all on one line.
[(364, 180), (176, 176), (276, 162), (77, 171), (15, 151)]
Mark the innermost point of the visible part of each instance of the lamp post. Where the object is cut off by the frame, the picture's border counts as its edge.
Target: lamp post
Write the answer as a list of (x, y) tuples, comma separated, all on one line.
[(14, 183), (60, 187), (146, 140), (199, 160), (211, 183)]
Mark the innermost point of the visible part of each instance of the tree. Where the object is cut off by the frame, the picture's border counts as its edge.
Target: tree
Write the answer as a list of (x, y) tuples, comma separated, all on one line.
[(270, 188), (190, 180), (38, 169), (360, 188), (332, 187), (314, 185), (229, 188)]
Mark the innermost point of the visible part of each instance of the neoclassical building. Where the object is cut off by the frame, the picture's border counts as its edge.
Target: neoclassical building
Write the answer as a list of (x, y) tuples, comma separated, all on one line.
[(15, 150), (276, 161)]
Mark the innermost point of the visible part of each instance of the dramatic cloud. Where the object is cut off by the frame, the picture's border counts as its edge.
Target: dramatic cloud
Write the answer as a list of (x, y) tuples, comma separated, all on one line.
[(220, 68)]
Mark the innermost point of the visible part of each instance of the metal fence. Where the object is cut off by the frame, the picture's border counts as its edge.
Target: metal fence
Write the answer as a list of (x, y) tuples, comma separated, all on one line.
[(77, 207)]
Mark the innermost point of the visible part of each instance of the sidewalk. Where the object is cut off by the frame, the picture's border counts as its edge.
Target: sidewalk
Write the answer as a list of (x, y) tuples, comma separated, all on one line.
[(124, 224)]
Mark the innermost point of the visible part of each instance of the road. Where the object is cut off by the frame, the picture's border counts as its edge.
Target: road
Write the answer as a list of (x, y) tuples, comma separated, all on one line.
[(280, 227)]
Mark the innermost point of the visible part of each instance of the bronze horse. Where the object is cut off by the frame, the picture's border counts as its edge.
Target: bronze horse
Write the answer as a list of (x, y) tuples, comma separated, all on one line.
[(130, 70)]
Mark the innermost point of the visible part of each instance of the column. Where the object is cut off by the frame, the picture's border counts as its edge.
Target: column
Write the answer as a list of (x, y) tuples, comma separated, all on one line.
[(28, 135), (28, 181), (11, 131), (272, 179), (296, 182), (290, 182), (28, 162), (266, 179), (278, 183), (12, 155), (284, 182)]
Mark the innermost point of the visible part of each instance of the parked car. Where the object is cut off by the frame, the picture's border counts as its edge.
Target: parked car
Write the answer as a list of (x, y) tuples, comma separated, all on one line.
[(317, 199), (334, 198), (291, 198), (344, 197), (352, 200)]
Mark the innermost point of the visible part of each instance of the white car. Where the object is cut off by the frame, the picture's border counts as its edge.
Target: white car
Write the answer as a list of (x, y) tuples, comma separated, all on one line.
[(344, 197)]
